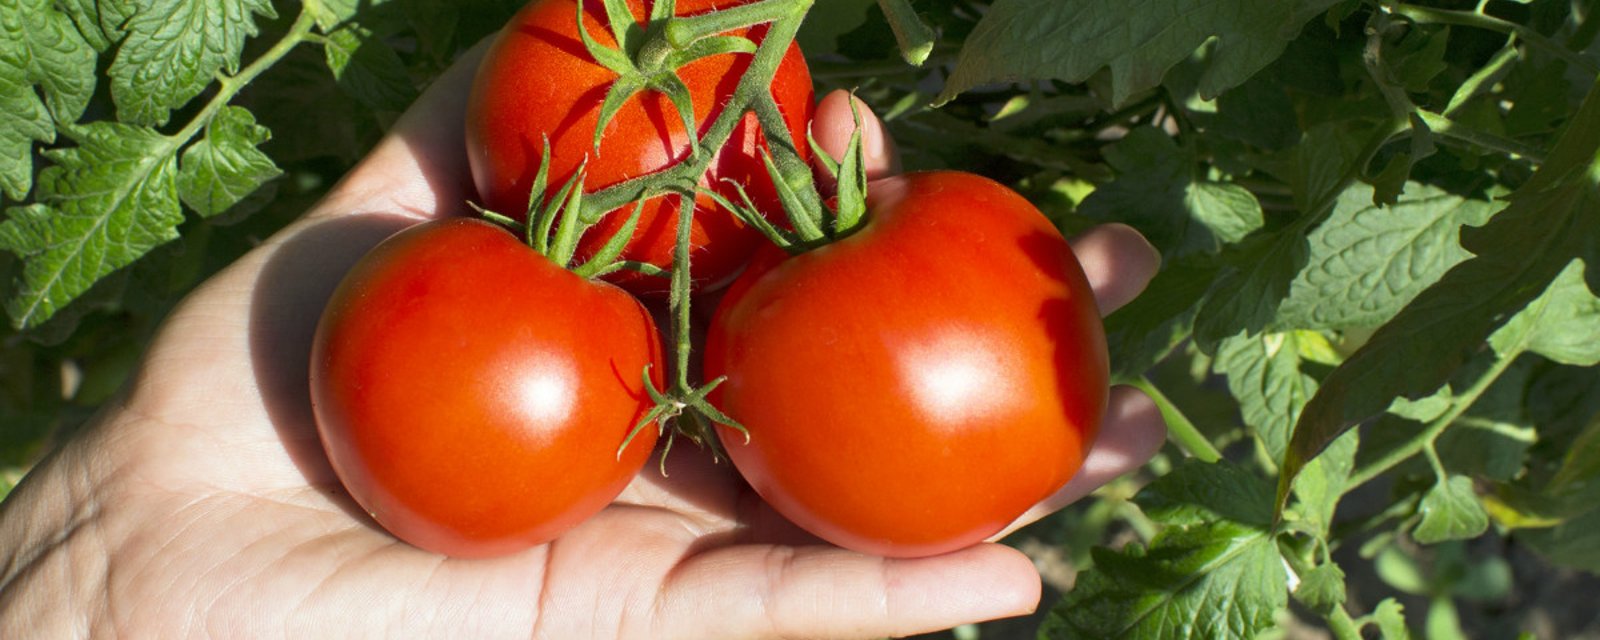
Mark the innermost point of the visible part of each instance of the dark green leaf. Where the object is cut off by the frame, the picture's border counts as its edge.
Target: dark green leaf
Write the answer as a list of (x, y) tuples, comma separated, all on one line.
[(1264, 376), (368, 69), (1415, 58), (173, 50), (223, 168), (1157, 193), (104, 203), (1145, 330), (1197, 492), (829, 19), (1215, 580), (39, 47), (1581, 464), (1367, 262), (1519, 252), (1322, 589), (1323, 484), (1246, 297), (1451, 511), (1069, 40), (1562, 324)]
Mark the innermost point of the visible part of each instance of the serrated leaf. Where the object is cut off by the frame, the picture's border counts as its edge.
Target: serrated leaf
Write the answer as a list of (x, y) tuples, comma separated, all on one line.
[(1550, 221), (39, 47), (1069, 40), (1247, 296), (1322, 589), (368, 69), (1197, 492), (1390, 618), (1156, 193), (173, 50), (1562, 324), (224, 167), (103, 204), (1366, 262), (1264, 376), (1145, 330), (1415, 58), (1215, 580), (1451, 511), (1324, 482), (100, 22)]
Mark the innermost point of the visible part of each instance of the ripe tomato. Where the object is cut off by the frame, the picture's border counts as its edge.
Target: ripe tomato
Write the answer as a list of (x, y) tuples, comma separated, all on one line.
[(916, 386), (471, 394), (537, 80)]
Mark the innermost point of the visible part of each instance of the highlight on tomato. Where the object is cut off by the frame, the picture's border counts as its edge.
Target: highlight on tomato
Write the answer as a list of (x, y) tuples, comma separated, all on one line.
[(914, 385)]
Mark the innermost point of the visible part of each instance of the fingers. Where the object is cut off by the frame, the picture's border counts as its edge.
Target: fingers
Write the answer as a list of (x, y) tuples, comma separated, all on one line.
[(1132, 433), (420, 168), (1118, 261), (760, 591), (833, 125)]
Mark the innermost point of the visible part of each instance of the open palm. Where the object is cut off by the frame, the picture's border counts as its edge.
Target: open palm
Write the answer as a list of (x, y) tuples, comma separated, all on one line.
[(199, 503)]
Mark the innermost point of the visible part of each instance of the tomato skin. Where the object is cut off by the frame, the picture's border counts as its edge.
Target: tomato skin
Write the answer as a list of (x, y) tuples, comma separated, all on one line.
[(915, 387), (537, 80), (471, 394)]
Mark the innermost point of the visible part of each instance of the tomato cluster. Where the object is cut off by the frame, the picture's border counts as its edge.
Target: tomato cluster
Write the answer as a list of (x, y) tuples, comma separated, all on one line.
[(907, 389)]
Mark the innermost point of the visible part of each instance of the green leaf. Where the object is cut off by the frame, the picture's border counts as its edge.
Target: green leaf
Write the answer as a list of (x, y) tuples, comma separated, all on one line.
[(1574, 543), (1069, 40), (368, 69), (100, 22), (827, 21), (1197, 492), (223, 168), (1322, 589), (1264, 376), (1581, 464), (39, 47), (1562, 324), (1324, 482), (104, 203), (1141, 333), (1246, 297), (174, 49), (1157, 193), (1366, 262), (1550, 221), (1215, 580), (1415, 58), (1391, 620), (1451, 511)]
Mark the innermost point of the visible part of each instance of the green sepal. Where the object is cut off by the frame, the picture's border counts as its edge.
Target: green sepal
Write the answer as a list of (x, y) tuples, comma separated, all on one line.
[(807, 223), (636, 267), (663, 10), (749, 214), (612, 59), (621, 21), (622, 89), (536, 193), (829, 165), (495, 218), (707, 47), (552, 207), (604, 260), (851, 201), (571, 226), (670, 85), (654, 415)]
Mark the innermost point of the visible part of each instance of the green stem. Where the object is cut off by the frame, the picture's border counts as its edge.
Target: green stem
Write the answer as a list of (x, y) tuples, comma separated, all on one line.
[(1179, 428), (229, 86), (1431, 433), (916, 40), (681, 32), (1453, 130), (682, 338), (1491, 23), (684, 176)]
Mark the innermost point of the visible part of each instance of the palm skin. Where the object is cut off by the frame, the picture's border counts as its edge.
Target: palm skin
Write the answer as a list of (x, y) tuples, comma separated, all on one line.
[(199, 502)]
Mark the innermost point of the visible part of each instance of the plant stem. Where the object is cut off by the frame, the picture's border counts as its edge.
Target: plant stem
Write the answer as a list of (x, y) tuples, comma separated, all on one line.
[(916, 40), (1453, 130), (1426, 438), (1482, 21), (229, 86), (1179, 428)]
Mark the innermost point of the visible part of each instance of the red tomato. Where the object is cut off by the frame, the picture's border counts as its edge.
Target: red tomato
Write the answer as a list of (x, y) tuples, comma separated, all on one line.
[(537, 80), (916, 386), (472, 394)]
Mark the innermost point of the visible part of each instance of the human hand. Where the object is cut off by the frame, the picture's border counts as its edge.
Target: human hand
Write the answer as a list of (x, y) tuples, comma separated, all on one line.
[(199, 502)]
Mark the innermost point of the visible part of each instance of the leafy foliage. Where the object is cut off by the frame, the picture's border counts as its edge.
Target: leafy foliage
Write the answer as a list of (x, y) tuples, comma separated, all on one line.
[(1378, 221)]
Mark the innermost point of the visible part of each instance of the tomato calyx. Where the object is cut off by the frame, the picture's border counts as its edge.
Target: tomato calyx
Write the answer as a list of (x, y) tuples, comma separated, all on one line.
[(688, 407), (813, 221), (554, 224)]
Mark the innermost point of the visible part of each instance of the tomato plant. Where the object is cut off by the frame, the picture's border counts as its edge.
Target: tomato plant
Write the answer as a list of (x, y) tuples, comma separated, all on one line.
[(472, 394), (538, 83), (914, 387)]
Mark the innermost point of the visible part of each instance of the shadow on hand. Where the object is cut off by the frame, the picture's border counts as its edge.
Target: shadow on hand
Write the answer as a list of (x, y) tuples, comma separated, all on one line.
[(294, 286)]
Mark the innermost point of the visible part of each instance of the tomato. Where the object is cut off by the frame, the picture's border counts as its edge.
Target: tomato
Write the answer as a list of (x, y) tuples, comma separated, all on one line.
[(537, 80), (917, 385), (472, 394)]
